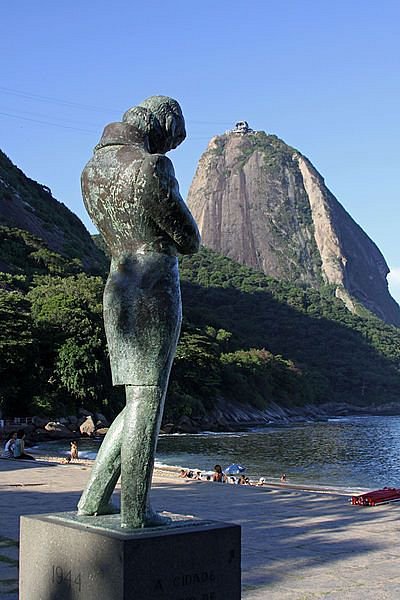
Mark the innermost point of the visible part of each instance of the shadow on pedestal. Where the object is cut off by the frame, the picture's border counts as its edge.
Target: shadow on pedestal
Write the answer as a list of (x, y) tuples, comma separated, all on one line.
[(66, 557)]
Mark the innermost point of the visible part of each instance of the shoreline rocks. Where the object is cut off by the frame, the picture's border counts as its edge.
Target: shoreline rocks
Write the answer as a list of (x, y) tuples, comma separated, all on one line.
[(225, 417), (40, 429), (230, 417)]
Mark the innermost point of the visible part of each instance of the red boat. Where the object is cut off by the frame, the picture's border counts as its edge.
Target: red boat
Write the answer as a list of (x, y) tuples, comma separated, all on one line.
[(382, 496)]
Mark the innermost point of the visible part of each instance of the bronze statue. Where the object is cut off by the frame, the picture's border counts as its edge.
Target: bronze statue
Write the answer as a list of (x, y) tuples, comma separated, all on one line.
[(132, 196)]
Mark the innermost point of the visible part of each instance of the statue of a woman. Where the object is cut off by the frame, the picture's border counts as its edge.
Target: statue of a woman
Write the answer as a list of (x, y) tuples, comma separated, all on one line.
[(132, 196)]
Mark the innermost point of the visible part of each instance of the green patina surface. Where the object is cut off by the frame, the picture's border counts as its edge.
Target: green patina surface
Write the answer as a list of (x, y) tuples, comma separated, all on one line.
[(131, 194)]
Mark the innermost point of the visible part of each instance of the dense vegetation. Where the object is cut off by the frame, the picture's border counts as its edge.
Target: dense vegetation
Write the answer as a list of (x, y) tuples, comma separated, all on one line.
[(246, 338), (335, 355)]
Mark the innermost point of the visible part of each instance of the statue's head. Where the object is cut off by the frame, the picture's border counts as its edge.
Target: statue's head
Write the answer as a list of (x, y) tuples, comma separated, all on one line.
[(165, 125)]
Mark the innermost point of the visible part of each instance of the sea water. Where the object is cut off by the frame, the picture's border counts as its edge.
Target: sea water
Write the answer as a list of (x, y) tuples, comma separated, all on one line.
[(357, 452)]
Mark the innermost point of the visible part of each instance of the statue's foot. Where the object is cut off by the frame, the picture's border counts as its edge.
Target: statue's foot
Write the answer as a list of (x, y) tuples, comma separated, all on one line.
[(154, 519), (151, 519), (105, 509)]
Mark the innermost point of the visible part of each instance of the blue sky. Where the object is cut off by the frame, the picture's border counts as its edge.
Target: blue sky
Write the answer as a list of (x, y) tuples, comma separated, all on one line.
[(323, 76)]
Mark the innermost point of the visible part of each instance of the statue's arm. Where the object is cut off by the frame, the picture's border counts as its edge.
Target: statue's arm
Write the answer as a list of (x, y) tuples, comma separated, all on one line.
[(166, 205)]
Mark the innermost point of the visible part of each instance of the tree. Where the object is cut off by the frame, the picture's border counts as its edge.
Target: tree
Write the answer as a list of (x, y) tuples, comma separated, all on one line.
[(67, 315), (16, 347)]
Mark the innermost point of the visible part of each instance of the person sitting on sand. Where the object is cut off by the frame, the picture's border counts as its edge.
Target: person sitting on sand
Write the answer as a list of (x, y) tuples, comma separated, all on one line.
[(19, 446), (261, 482), (218, 475), (244, 480), (8, 451), (187, 474)]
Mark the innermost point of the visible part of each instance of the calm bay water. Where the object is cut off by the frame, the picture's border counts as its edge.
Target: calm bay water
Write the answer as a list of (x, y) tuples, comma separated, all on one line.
[(351, 452), (343, 452)]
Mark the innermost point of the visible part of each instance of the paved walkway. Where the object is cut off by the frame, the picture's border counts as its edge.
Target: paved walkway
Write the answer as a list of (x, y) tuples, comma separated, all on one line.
[(295, 544)]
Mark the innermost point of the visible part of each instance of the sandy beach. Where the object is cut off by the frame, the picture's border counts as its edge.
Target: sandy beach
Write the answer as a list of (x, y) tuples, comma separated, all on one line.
[(296, 543)]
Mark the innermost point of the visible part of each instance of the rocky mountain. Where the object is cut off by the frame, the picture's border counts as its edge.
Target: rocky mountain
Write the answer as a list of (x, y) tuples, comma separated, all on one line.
[(29, 206), (252, 348), (262, 203)]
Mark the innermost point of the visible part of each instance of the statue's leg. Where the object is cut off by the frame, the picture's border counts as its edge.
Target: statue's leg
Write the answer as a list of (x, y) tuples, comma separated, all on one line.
[(143, 413), (105, 472)]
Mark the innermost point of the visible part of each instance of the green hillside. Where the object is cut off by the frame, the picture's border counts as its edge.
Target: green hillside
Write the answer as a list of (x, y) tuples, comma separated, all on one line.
[(329, 354), (246, 338), (30, 206)]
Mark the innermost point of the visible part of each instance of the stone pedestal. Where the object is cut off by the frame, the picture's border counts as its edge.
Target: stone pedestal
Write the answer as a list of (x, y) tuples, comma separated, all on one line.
[(66, 557)]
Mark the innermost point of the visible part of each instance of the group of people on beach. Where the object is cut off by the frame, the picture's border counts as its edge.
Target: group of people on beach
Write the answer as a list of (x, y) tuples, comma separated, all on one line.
[(14, 446), (219, 476)]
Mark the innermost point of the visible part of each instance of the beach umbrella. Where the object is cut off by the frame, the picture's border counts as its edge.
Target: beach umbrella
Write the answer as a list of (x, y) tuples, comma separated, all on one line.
[(234, 469)]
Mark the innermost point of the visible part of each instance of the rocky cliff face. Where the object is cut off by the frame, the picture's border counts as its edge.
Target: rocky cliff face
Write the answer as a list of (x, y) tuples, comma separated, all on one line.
[(261, 203), (27, 205)]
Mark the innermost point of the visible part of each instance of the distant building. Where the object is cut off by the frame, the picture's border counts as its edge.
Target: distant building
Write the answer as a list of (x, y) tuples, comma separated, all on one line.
[(241, 127)]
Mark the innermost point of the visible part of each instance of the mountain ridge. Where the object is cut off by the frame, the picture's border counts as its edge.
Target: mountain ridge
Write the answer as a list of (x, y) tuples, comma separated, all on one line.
[(261, 202)]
